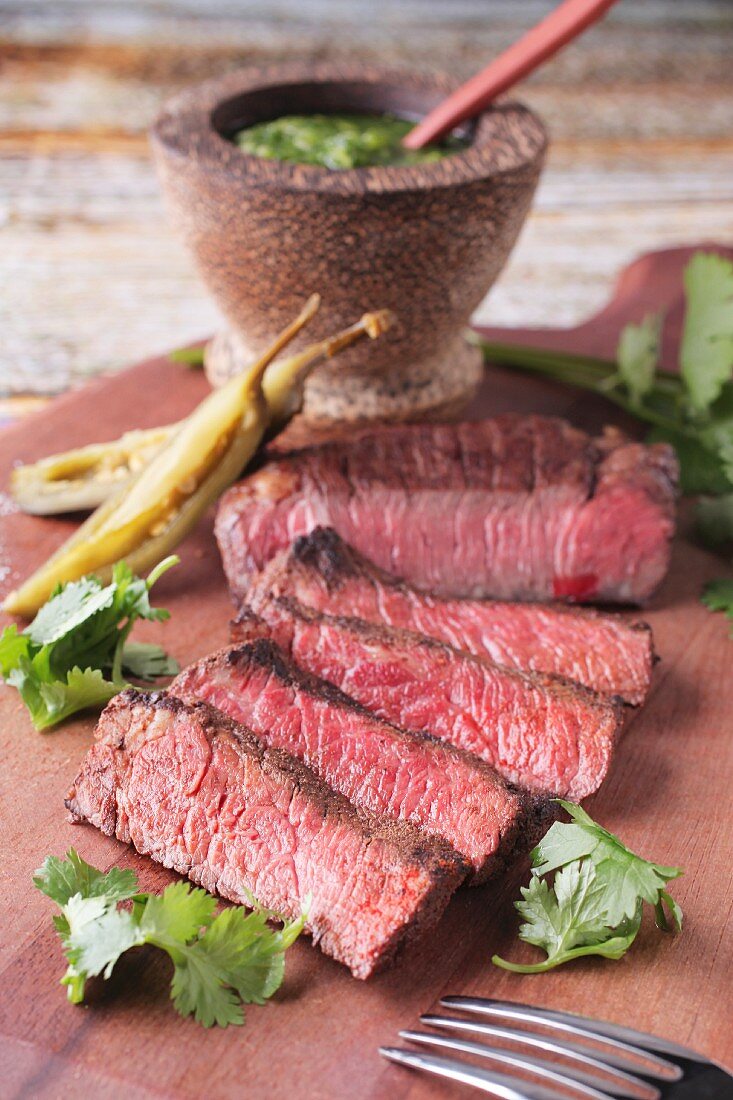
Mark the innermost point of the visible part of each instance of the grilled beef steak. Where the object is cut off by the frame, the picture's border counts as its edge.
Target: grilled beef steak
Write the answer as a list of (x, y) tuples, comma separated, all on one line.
[(377, 766), (519, 507), (605, 652), (201, 794), (538, 731)]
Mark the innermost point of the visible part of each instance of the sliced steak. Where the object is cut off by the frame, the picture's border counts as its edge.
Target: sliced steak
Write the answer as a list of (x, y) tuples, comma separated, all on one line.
[(609, 654), (376, 765), (519, 507), (202, 795), (537, 731)]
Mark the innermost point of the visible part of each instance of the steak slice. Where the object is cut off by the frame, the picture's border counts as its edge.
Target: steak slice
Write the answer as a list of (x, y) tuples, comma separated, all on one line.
[(202, 795), (538, 731), (376, 765), (518, 507), (604, 652)]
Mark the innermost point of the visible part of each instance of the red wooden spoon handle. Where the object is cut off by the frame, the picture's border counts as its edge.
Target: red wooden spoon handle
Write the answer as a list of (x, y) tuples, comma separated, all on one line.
[(560, 27)]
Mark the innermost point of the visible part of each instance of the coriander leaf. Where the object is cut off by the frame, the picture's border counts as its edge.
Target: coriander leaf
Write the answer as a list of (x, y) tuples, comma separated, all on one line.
[(706, 353), (637, 356), (61, 879), (569, 921), (220, 963), (13, 648), (237, 953), (675, 910), (178, 914), (595, 902), (98, 934), (561, 844), (627, 876), (198, 990), (70, 608), (144, 661), (72, 656), (718, 596), (701, 467), (51, 703), (134, 592)]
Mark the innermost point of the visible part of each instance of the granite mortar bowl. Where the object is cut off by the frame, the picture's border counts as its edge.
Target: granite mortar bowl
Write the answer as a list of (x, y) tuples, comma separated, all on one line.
[(426, 241)]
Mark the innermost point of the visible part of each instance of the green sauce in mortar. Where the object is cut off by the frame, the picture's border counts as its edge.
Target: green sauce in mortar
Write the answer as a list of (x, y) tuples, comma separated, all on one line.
[(340, 141)]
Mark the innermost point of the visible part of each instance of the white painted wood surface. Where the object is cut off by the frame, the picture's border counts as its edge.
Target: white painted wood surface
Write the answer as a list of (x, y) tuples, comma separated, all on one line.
[(641, 113)]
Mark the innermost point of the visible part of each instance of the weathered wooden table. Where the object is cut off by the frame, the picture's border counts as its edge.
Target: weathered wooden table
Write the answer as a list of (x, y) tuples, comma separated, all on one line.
[(92, 278)]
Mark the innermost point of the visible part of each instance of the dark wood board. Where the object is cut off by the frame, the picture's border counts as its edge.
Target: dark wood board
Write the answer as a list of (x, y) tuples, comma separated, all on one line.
[(668, 795)]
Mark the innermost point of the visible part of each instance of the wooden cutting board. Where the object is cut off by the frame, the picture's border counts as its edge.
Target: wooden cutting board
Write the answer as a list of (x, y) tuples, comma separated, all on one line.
[(668, 796)]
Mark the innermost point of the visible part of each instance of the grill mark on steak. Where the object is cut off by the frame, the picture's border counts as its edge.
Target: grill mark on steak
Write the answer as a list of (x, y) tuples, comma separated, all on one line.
[(202, 795), (376, 765), (603, 652), (538, 509), (538, 731)]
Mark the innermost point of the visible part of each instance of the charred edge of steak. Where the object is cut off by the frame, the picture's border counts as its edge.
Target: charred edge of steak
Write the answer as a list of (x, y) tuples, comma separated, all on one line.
[(381, 634), (325, 552), (444, 867), (406, 837), (334, 560), (266, 655)]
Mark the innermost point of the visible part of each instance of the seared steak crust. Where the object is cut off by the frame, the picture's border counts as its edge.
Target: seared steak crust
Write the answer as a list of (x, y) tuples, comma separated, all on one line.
[(377, 766), (609, 654), (202, 795), (538, 731), (518, 507)]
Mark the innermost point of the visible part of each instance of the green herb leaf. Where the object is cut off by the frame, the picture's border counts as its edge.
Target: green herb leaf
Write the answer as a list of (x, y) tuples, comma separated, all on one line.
[(69, 609), (694, 410), (701, 468), (189, 357), (147, 662), (594, 904), (51, 701), (706, 353), (73, 655), (14, 648), (220, 962), (570, 920), (637, 356), (60, 879), (178, 914), (718, 596), (98, 933)]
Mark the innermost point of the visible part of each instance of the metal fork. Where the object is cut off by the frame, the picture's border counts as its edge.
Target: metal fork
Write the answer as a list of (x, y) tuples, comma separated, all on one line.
[(558, 1056)]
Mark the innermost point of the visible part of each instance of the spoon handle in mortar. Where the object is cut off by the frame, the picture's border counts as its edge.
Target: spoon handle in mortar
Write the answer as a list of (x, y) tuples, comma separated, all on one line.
[(564, 24)]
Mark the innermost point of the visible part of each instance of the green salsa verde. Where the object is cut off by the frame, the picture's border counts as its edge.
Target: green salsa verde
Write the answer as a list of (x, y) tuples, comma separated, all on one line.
[(340, 141)]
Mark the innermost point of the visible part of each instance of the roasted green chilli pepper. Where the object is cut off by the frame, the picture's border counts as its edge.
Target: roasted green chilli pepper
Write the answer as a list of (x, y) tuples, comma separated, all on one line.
[(149, 515)]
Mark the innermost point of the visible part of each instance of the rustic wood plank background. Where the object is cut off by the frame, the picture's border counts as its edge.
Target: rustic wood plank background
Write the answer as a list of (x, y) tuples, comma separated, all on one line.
[(92, 278)]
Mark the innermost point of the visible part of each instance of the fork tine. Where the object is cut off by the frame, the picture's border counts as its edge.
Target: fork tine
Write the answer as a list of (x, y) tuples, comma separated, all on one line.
[(537, 1066), (494, 1084), (583, 1067), (617, 1052)]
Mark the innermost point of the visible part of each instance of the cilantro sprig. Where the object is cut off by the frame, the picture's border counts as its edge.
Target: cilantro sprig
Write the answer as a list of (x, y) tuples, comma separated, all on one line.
[(593, 906), (692, 410), (220, 962), (718, 596), (76, 654)]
